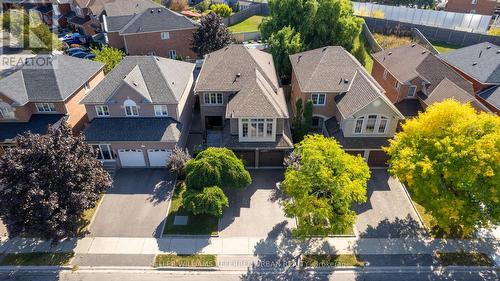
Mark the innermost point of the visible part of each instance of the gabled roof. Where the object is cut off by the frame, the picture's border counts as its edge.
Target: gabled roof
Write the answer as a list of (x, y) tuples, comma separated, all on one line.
[(480, 61), (52, 82), (250, 74), (159, 80), (492, 96), (128, 7), (334, 70), (445, 90), (157, 19)]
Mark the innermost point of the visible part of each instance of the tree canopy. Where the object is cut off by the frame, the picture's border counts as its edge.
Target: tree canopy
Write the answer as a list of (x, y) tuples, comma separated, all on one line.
[(210, 200), (281, 44), (216, 167), (323, 186), (46, 183), (222, 10), (212, 35), (109, 56), (449, 157)]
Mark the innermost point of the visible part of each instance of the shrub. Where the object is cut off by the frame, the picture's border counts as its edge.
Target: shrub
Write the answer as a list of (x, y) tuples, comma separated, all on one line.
[(360, 54), (211, 201), (222, 10), (178, 161)]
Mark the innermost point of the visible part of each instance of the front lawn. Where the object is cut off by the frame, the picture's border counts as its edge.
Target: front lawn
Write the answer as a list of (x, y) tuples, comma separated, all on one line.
[(368, 57), (463, 259), (185, 260), (249, 25), (197, 224), (87, 217), (39, 258), (331, 260)]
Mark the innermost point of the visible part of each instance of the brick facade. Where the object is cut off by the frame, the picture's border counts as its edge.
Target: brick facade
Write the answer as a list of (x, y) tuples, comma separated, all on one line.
[(482, 7)]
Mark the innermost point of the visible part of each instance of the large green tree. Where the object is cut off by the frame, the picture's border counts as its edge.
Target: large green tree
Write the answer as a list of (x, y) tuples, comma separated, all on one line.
[(109, 56), (211, 200), (281, 44), (323, 186), (46, 183), (216, 167), (211, 35), (449, 157)]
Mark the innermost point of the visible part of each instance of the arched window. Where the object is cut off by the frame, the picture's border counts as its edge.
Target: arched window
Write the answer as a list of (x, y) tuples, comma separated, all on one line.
[(130, 108), (371, 124)]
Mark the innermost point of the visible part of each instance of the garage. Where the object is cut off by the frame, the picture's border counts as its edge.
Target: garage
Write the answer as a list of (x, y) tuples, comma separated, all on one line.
[(271, 158), (159, 157), (356, 152), (377, 158), (248, 157), (131, 158)]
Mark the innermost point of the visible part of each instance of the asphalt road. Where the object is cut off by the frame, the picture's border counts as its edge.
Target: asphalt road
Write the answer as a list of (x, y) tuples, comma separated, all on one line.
[(230, 276)]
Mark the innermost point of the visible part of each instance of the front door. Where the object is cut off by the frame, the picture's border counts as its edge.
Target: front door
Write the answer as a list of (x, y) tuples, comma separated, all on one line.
[(411, 91)]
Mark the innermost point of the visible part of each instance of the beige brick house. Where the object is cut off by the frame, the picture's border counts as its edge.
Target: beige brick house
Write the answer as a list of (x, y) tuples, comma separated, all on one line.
[(348, 104), (158, 31), (243, 107), (140, 111), (37, 96)]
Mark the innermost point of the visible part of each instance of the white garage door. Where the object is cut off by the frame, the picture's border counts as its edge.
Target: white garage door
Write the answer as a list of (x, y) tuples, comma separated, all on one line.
[(131, 157), (159, 157)]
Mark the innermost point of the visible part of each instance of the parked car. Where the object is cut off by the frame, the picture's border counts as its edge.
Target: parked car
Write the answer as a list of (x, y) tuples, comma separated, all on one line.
[(89, 57), (80, 55), (71, 51), (72, 38)]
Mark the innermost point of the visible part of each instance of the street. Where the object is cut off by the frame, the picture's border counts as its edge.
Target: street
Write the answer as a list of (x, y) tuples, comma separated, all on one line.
[(342, 275)]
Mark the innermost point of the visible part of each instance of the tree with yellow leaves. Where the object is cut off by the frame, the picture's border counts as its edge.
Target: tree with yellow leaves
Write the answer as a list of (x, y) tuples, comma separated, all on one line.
[(449, 157)]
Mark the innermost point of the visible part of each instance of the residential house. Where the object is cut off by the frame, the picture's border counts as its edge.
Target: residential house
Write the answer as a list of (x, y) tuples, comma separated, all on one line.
[(36, 96), (414, 78), (243, 107), (88, 14), (140, 111), (482, 7), (348, 104), (480, 64), (157, 31)]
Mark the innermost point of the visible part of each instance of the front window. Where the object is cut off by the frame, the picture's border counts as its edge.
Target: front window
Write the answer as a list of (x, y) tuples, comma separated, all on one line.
[(7, 113), (412, 90), (318, 99), (45, 107), (371, 124), (382, 125), (131, 108), (165, 36), (102, 110), (161, 110), (213, 98), (172, 54), (103, 151), (257, 128), (359, 125)]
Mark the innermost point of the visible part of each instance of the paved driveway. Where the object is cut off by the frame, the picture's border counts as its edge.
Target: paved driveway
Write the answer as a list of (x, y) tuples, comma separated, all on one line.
[(255, 210), (136, 205), (388, 211)]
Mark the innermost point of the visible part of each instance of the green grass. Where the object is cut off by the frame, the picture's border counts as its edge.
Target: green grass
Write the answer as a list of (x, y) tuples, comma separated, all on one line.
[(331, 260), (249, 25), (369, 60), (391, 41), (197, 224), (464, 259), (36, 259), (185, 260), (444, 47), (87, 217)]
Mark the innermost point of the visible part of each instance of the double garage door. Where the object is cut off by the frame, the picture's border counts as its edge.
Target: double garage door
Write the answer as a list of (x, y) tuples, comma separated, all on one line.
[(136, 157)]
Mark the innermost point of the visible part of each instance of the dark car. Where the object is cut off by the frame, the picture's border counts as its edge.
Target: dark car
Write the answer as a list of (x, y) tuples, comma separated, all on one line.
[(72, 51), (80, 55), (89, 57)]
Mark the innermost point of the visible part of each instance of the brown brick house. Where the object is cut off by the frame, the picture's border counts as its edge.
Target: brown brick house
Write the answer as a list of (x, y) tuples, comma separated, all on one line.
[(414, 78), (157, 31), (348, 104), (34, 97), (243, 107), (140, 111), (482, 7)]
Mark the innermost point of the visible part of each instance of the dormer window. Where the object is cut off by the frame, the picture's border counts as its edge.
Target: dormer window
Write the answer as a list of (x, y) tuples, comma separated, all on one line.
[(130, 108), (161, 110)]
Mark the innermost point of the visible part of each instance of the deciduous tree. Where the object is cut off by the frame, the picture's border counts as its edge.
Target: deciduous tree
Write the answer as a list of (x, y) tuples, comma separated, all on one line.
[(46, 183), (179, 5), (281, 44), (324, 186), (109, 56), (449, 157), (210, 200), (211, 36), (223, 10)]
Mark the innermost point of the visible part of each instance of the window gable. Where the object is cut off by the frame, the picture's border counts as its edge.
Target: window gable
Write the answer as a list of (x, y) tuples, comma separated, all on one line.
[(161, 110), (213, 98), (257, 129), (45, 107), (102, 110), (371, 124)]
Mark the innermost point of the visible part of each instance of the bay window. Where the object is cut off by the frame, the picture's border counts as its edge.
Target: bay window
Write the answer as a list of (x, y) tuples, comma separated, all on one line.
[(371, 124), (257, 129)]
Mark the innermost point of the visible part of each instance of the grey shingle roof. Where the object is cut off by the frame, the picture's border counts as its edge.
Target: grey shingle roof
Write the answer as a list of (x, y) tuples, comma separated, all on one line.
[(38, 124), (128, 7), (117, 23), (492, 96), (257, 87), (334, 131), (55, 82), (333, 70), (164, 129), (480, 61), (158, 19), (445, 90), (159, 80)]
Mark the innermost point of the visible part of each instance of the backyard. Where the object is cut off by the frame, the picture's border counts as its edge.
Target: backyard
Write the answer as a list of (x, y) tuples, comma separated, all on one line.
[(249, 25)]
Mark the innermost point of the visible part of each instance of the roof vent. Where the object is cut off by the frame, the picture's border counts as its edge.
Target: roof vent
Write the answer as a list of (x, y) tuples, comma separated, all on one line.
[(324, 49), (498, 52), (238, 75), (423, 52), (152, 11), (474, 63), (488, 47), (159, 10), (135, 84), (480, 53), (390, 53), (346, 81), (413, 45), (298, 58)]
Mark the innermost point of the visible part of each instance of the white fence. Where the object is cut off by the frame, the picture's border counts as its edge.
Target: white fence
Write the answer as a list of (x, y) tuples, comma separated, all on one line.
[(449, 20)]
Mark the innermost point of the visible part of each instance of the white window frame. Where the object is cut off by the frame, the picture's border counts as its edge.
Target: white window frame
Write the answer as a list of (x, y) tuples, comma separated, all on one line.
[(414, 88), (45, 107), (100, 155), (253, 125), (317, 95), (7, 113), (376, 127), (172, 54), (161, 110), (165, 35), (102, 110), (213, 98), (134, 109), (385, 74)]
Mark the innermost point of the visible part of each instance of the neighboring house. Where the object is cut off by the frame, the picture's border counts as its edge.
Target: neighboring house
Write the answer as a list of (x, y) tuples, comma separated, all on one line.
[(414, 78), (482, 7), (348, 104), (140, 111), (62, 11), (156, 31), (242, 106), (87, 16), (34, 97), (480, 64)]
